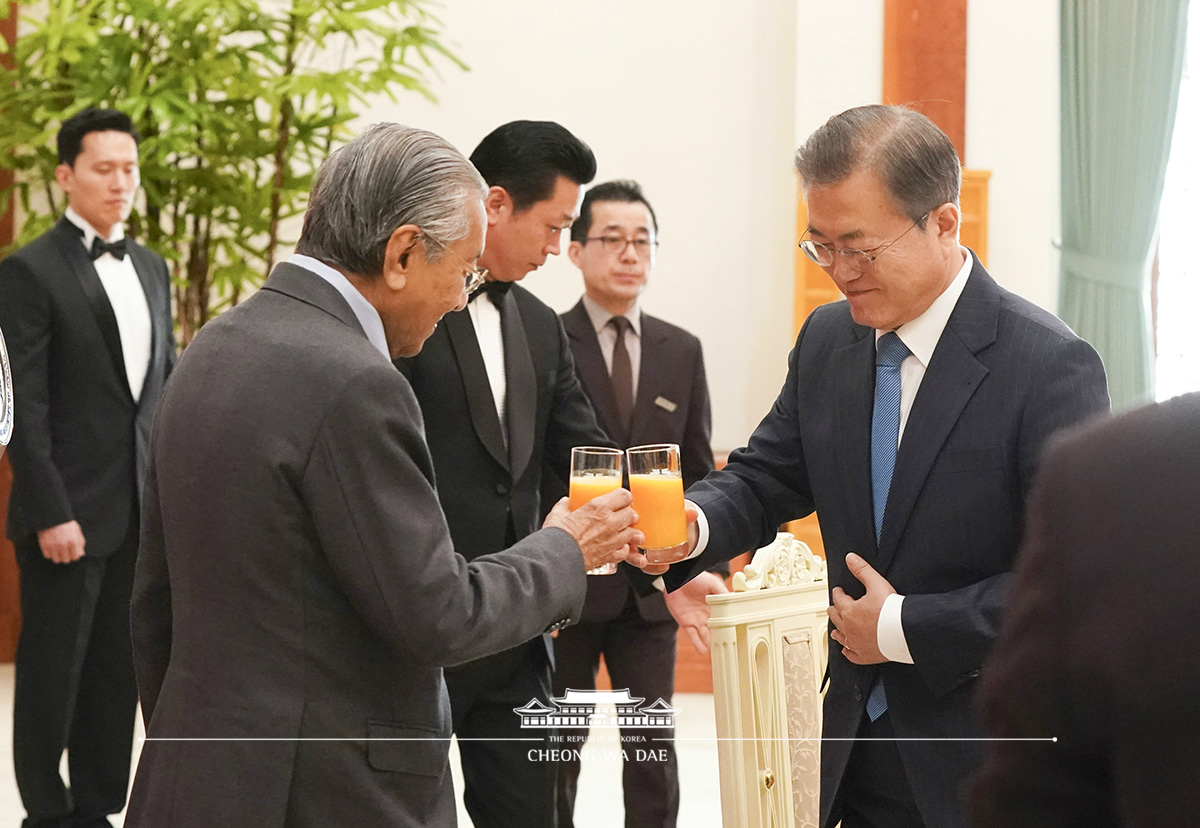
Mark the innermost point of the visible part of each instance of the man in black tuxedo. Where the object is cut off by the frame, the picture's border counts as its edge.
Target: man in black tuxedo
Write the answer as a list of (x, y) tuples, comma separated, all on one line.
[(911, 421), (645, 379), (1099, 647), (87, 314), (502, 406)]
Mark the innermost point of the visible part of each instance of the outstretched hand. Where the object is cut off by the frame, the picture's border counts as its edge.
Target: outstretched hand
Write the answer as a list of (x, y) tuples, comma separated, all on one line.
[(689, 607)]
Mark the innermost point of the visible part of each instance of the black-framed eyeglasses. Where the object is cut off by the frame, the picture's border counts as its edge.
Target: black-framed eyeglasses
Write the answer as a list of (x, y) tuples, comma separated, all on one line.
[(616, 245), (475, 276), (822, 254)]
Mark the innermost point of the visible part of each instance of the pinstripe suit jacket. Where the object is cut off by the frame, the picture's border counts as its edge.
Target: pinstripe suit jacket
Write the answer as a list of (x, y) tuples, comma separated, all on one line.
[(1003, 377)]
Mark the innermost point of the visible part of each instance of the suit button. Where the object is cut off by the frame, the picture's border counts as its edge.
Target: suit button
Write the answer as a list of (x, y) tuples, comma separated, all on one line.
[(501, 488), (858, 693)]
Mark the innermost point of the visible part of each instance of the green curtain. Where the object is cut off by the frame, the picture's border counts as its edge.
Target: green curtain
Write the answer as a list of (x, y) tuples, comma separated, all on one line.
[(1121, 65)]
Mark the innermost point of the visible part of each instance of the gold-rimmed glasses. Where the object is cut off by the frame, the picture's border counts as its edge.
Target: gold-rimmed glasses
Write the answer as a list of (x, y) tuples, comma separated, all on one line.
[(823, 254), (474, 277)]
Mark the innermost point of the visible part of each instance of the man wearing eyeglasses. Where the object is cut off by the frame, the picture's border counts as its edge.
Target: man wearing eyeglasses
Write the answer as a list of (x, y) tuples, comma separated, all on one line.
[(911, 421), (645, 378), (501, 404)]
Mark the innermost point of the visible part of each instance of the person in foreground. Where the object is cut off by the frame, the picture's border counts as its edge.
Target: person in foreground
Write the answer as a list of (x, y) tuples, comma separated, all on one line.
[(911, 421), (87, 312), (297, 593), (1102, 603)]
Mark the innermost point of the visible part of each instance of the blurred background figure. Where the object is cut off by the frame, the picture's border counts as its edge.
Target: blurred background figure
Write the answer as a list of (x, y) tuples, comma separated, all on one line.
[(645, 378), (1098, 648), (87, 313)]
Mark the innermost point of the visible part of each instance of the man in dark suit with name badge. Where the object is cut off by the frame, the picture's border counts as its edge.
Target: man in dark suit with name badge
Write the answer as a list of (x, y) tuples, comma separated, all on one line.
[(502, 407), (645, 378), (87, 315), (911, 421)]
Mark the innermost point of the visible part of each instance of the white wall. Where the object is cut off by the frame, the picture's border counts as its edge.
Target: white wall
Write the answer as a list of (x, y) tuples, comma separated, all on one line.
[(1013, 130)]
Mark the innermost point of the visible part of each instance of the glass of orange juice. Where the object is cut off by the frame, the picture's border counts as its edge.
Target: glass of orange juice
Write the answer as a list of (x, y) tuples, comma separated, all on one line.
[(656, 481), (594, 471)]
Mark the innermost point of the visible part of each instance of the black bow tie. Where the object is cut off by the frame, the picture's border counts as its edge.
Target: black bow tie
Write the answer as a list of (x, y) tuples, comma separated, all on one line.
[(100, 247), (495, 290)]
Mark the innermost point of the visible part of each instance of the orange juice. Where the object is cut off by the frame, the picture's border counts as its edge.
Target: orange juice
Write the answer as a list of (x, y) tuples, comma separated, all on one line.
[(586, 486), (658, 500)]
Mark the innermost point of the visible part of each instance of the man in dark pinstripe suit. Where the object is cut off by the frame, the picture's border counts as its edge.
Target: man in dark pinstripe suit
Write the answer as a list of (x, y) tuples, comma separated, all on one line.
[(920, 523)]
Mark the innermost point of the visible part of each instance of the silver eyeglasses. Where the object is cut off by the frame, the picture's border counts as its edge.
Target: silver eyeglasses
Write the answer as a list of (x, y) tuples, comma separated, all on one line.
[(822, 254), (474, 277)]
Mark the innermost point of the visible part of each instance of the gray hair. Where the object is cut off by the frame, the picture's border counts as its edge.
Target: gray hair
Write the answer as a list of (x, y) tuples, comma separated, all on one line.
[(914, 159), (389, 176)]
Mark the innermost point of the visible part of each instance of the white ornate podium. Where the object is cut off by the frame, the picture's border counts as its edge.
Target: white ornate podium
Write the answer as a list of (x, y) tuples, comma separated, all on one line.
[(768, 657)]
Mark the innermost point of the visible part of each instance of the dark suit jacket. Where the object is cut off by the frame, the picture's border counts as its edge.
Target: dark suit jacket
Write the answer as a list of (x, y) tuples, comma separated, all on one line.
[(672, 369), (1003, 377), (80, 442), (297, 580), (490, 494), (1099, 646)]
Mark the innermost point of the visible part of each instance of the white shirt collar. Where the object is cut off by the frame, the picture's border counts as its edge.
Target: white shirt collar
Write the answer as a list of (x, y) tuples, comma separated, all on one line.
[(599, 315), (89, 232), (921, 335), (367, 316)]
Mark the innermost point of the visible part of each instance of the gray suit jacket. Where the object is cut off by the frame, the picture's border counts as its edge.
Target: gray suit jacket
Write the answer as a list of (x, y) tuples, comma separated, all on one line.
[(297, 581), (1004, 376)]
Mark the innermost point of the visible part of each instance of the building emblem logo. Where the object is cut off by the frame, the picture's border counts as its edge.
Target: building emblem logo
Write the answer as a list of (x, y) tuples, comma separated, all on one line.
[(597, 708)]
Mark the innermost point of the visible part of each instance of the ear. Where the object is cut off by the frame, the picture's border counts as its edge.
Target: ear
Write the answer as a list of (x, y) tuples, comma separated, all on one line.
[(498, 201), (64, 175), (945, 220), (401, 254), (575, 254)]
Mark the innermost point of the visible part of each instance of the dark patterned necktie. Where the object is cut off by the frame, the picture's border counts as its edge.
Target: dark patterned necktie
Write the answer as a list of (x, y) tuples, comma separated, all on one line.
[(622, 374)]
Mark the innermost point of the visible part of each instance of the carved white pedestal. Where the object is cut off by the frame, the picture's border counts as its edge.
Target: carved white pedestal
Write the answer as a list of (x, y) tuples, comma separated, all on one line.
[(768, 658)]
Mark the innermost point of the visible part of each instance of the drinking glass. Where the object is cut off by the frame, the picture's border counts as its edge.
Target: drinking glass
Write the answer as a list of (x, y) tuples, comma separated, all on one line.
[(594, 471), (656, 481)]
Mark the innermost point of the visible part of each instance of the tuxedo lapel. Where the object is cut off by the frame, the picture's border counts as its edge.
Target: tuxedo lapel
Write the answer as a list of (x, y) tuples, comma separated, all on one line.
[(97, 298), (144, 268), (520, 398), (949, 383), (480, 401), (853, 367), (590, 367)]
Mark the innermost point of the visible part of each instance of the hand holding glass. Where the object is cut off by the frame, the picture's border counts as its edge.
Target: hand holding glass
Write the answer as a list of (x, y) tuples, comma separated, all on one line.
[(656, 482), (594, 471)]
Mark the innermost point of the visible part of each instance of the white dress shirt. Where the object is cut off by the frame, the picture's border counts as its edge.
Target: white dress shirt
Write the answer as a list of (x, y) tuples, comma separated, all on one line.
[(486, 318), (364, 311), (920, 336), (128, 301), (607, 336)]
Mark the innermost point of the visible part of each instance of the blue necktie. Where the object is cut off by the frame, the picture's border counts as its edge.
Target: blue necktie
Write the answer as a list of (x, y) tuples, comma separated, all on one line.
[(885, 435)]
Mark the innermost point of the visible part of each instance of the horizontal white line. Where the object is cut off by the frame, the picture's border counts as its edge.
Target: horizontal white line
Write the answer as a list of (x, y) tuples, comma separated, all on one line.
[(535, 739)]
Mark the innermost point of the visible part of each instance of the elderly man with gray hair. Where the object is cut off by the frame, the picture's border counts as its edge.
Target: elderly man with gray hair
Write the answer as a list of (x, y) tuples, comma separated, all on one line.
[(297, 593)]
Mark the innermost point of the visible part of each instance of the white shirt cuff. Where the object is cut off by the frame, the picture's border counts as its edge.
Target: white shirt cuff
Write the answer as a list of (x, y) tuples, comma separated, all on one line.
[(890, 631), (701, 531)]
